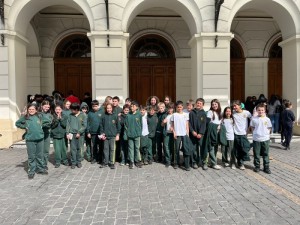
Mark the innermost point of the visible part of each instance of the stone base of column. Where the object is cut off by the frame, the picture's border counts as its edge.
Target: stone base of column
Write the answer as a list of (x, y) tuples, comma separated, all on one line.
[(9, 134)]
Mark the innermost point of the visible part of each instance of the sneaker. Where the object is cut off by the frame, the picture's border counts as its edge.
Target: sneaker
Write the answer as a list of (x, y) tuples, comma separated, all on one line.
[(267, 170), (30, 176), (216, 167), (138, 164), (112, 166), (150, 162), (43, 172), (73, 167), (121, 164), (131, 165), (175, 167), (233, 167), (79, 165), (242, 167), (226, 164), (187, 168), (89, 160), (256, 169), (93, 161), (127, 164), (146, 163), (205, 167), (56, 166), (103, 165), (167, 165), (66, 163), (195, 166)]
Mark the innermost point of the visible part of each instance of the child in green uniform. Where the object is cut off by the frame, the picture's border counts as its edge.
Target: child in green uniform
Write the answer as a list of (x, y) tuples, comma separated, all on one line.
[(145, 146), (152, 121), (123, 142), (47, 116), (93, 130), (261, 127), (58, 133), (110, 132), (85, 109), (159, 132), (75, 131), (133, 132), (33, 124)]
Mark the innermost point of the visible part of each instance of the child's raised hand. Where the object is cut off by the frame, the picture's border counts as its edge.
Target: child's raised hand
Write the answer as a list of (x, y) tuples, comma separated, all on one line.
[(89, 135), (117, 137), (77, 135)]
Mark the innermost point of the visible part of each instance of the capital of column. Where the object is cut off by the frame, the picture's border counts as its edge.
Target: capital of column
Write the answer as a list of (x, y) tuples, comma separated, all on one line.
[(112, 34), (290, 40), (210, 36), (14, 35)]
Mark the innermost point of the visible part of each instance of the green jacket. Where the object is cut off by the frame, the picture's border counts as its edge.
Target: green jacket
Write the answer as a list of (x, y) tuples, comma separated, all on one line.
[(117, 110), (93, 123), (152, 121), (58, 127), (76, 124), (133, 125), (110, 125), (47, 117), (66, 112), (34, 127), (160, 117)]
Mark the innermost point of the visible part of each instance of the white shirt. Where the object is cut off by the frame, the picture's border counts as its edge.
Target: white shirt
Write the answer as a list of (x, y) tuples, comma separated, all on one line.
[(210, 114), (228, 123), (180, 121), (145, 130), (262, 126), (241, 122), (168, 124)]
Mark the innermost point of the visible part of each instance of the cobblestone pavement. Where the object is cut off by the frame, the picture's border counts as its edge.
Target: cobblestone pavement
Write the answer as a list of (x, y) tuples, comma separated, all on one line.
[(151, 195)]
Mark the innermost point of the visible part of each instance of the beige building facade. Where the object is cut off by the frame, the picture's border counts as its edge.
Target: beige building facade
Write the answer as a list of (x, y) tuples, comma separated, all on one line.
[(149, 47)]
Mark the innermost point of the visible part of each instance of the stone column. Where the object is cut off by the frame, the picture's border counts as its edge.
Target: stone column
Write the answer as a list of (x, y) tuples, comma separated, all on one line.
[(109, 65)]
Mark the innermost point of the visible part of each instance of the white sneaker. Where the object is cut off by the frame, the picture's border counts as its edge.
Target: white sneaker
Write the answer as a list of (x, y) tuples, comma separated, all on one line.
[(226, 164), (242, 167), (216, 167), (233, 167)]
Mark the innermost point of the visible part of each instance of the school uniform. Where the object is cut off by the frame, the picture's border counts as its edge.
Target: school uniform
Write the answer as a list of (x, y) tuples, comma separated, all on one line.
[(168, 140), (67, 113), (179, 121), (197, 123), (261, 126), (123, 142), (152, 122), (76, 125), (159, 137), (288, 119), (58, 134), (34, 137), (241, 143), (46, 117), (110, 127), (87, 140), (93, 128), (145, 142), (133, 132), (228, 155), (118, 110)]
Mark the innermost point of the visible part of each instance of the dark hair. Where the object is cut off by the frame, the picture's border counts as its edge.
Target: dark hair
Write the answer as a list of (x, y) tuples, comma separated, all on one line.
[(143, 107), (128, 99), (135, 103), (108, 105), (45, 102), (218, 111), (28, 106), (179, 103), (116, 98), (260, 105), (151, 107), (75, 106), (287, 104), (273, 99), (87, 94), (224, 112), (148, 102), (236, 102), (200, 100), (171, 105), (126, 106), (95, 102)]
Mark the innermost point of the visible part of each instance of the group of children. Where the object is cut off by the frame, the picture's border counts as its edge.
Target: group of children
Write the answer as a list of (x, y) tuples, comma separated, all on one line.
[(137, 135)]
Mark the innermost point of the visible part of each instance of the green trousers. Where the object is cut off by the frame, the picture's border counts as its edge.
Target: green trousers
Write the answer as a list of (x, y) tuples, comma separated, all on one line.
[(228, 155), (76, 146), (46, 148), (88, 144), (60, 151), (134, 149), (168, 147), (35, 156), (109, 151), (196, 145), (261, 149)]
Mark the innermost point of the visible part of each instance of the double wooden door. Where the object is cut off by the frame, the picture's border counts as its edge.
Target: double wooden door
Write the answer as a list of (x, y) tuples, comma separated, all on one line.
[(73, 74), (148, 77), (237, 79)]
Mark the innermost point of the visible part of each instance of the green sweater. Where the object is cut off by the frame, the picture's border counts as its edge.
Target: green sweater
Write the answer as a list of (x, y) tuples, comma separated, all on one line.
[(93, 124), (133, 125), (160, 117), (76, 124), (110, 125), (152, 121), (58, 127), (34, 127), (47, 117)]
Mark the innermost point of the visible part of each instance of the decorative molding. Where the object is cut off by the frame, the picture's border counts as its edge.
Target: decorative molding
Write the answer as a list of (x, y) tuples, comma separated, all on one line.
[(2, 20)]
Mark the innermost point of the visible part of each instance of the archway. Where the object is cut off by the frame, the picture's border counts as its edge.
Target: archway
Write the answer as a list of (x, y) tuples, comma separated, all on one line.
[(275, 69), (237, 71), (151, 69), (72, 65)]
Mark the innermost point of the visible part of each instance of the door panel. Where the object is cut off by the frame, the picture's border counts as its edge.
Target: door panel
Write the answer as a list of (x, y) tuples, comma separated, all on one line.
[(237, 79), (275, 77)]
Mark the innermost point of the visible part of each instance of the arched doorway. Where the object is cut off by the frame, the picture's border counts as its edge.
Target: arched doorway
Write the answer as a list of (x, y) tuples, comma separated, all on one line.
[(237, 71), (72, 65), (151, 69), (275, 70)]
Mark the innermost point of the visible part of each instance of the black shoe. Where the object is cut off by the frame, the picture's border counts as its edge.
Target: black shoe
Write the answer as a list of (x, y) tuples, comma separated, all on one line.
[(150, 162), (187, 168), (175, 167), (56, 166), (112, 166), (103, 165), (73, 167), (195, 166), (89, 160), (146, 163), (46, 167), (30, 176), (256, 169), (43, 172), (131, 165), (79, 165), (66, 163), (93, 161), (138, 164), (267, 170)]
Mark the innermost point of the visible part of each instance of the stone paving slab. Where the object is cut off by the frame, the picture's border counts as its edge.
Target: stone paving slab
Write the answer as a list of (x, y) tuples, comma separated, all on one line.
[(151, 195)]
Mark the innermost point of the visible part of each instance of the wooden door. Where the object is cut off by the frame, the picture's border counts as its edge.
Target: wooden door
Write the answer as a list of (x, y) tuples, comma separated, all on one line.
[(73, 74), (275, 77), (149, 77), (237, 79)]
